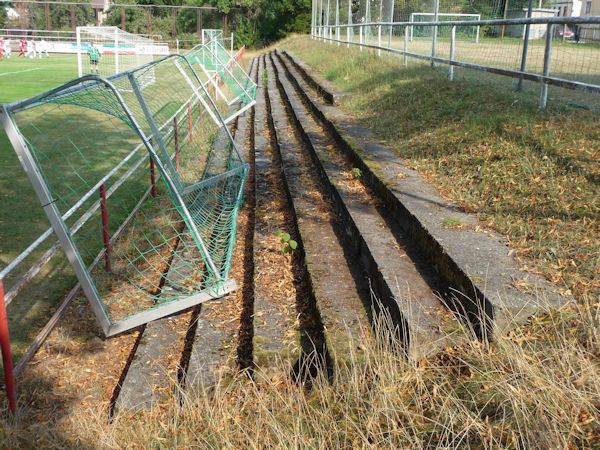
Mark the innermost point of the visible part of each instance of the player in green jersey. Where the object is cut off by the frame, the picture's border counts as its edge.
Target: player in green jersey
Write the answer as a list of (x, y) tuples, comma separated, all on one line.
[(94, 55)]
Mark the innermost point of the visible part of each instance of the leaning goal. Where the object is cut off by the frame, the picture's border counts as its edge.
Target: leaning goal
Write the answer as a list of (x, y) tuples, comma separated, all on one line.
[(119, 50), (417, 31)]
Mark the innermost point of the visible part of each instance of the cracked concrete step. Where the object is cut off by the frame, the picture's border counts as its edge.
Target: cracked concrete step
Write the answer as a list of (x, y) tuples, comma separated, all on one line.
[(402, 280), (337, 294), (214, 334), (276, 338), (477, 264)]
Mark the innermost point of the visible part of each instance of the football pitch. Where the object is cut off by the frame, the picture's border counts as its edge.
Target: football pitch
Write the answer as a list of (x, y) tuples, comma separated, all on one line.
[(21, 218)]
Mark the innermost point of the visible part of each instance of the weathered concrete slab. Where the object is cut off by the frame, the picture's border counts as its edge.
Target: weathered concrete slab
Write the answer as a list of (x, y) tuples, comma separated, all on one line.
[(337, 293), (276, 338), (147, 381), (324, 87), (402, 283), (214, 329), (476, 263)]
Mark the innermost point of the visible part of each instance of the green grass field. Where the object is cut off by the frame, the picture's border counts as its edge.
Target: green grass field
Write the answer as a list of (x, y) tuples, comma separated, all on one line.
[(21, 218)]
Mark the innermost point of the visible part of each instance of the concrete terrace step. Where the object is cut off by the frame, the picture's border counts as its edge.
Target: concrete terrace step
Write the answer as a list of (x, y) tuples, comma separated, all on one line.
[(276, 335), (477, 264), (338, 295), (400, 280)]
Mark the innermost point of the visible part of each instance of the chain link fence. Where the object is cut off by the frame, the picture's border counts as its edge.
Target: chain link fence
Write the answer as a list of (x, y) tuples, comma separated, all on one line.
[(536, 53)]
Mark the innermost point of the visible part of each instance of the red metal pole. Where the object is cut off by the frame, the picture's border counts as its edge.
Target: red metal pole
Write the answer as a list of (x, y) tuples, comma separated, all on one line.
[(176, 136), (9, 376), (152, 178), (190, 120), (105, 233)]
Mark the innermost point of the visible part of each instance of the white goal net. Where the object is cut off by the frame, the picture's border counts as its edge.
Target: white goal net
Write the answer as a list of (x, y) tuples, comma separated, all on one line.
[(108, 50), (465, 32)]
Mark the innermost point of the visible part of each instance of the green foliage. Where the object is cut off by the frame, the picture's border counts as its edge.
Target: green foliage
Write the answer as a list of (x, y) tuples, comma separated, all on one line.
[(3, 15), (246, 32), (356, 172), (288, 245), (331, 75), (253, 22)]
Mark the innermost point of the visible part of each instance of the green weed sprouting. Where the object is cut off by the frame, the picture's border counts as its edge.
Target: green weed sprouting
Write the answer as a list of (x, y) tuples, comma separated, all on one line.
[(356, 172), (288, 245)]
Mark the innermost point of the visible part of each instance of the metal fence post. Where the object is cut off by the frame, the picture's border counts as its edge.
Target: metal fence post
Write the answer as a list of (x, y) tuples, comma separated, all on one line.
[(347, 37), (525, 45), (379, 40), (337, 21), (405, 45), (152, 178), (547, 51), (105, 232), (360, 37), (9, 376), (452, 46), (390, 37), (435, 29)]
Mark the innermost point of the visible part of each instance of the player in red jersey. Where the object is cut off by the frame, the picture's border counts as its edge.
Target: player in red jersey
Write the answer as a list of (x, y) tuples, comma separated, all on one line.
[(22, 46)]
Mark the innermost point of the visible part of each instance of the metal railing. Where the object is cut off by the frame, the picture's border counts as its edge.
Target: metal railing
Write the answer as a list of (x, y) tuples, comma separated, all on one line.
[(573, 65)]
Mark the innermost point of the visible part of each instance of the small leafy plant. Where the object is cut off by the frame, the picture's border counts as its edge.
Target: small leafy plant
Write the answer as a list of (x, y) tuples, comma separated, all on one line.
[(265, 77), (356, 172), (288, 245)]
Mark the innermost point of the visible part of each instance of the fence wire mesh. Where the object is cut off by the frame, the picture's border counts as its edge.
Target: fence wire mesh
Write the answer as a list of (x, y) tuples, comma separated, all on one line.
[(462, 39)]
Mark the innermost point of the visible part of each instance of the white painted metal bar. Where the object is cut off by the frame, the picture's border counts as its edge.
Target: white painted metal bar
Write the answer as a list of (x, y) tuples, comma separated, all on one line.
[(546, 72)]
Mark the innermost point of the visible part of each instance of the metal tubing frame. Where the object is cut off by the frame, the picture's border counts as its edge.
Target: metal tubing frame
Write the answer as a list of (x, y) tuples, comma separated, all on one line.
[(109, 327), (452, 48), (554, 81), (546, 70), (59, 226)]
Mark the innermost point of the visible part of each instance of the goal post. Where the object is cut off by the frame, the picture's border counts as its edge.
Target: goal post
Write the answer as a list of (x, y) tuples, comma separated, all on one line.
[(119, 50), (426, 31)]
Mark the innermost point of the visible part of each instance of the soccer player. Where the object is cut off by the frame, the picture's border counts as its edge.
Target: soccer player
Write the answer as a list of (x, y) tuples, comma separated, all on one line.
[(94, 55), (45, 47), (22, 45), (7, 48), (1, 47), (41, 47), (30, 49)]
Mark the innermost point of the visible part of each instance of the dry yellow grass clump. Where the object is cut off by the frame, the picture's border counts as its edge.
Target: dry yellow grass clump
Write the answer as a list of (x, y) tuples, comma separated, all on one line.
[(539, 387)]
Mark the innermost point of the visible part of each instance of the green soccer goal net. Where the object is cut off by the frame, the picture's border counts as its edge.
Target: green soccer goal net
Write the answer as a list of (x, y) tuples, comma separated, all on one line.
[(222, 74), (142, 184)]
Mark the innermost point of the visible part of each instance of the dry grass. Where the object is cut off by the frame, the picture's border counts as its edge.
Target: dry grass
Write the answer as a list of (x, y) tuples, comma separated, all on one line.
[(531, 175), (536, 388)]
